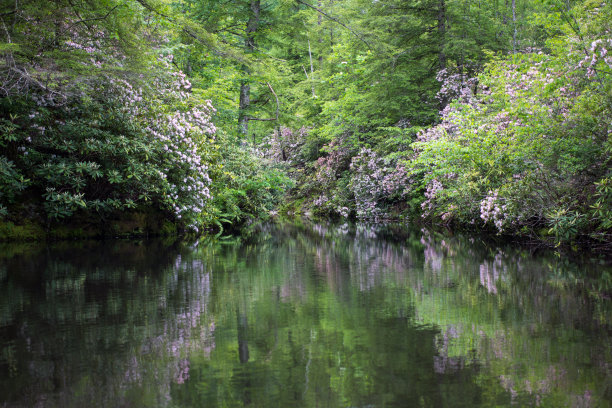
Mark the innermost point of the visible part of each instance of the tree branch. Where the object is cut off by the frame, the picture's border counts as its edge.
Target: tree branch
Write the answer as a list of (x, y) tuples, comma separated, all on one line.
[(249, 118), (86, 20), (337, 21), (277, 103), (277, 108), (190, 32)]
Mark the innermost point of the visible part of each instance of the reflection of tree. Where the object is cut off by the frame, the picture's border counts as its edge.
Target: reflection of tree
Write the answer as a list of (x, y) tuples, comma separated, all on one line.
[(489, 324), (305, 315), (243, 342), (103, 332), (342, 337)]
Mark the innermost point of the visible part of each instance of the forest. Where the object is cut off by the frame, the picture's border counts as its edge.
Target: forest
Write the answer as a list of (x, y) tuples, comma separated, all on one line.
[(122, 117)]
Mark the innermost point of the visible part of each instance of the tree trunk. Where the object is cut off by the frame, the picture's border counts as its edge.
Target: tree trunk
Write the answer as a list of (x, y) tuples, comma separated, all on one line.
[(245, 87), (442, 43), (505, 20), (320, 34), (442, 34), (245, 101), (311, 70), (514, 26), (331, 31)]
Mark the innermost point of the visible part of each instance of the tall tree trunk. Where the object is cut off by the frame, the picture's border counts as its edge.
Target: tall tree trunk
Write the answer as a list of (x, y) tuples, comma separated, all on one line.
[(442, 43), (514, 26), (320, 34), (442, 34), (245, 101), (331, 30), (505, 20), (245, 87), (311, 71)]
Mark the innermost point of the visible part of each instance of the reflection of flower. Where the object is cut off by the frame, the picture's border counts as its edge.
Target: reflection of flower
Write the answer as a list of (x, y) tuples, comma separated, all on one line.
[(182, 373), (432, 257), (443, 363), (490, 272), (187, 330)]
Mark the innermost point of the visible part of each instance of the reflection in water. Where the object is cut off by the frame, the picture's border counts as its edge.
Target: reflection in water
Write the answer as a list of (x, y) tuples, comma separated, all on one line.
[(491, 272), (303, 315), (96, 323)]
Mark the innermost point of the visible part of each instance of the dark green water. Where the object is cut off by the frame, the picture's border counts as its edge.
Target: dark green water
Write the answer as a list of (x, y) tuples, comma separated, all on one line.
[(303, 316)]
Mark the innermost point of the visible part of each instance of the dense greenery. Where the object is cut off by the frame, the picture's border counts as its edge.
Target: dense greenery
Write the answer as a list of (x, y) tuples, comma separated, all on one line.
[(490, 115), (96, 123)]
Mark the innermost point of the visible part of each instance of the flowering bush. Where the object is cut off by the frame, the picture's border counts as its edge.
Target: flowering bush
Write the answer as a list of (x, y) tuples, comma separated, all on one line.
[(530, 146), (323, 182), (284, 145), (184, 138), (106, 135), (492, 211), (118, 150)]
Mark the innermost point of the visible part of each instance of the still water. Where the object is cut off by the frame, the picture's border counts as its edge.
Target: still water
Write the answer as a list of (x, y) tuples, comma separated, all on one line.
[(303, 315)]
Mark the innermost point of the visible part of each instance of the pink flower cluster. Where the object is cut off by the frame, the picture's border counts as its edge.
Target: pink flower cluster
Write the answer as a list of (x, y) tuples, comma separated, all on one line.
[(456, 87), (367, 184), (598, 52), (434, 187), (182, 137), (374, 181)]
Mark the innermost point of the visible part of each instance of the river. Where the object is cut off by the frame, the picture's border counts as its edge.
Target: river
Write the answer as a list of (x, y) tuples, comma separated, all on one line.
[(303, 315)]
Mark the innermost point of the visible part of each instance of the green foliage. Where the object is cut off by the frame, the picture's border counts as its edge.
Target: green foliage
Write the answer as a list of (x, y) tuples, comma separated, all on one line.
[(529, 152), (27, 231), (245, 186), (102, 135), (494, 115)]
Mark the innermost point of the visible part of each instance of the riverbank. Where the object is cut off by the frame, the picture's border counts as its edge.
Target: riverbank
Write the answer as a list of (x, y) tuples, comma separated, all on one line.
[(125, 225), (533, 239)]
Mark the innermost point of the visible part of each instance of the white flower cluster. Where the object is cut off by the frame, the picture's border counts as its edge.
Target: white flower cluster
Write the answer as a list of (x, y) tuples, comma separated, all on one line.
[(186, 173), (130, 97), (491, 210)]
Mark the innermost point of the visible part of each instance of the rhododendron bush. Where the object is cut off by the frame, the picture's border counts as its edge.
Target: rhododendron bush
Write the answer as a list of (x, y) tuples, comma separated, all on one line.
[(133, 143), (103, 136), (526, 154), (523, 148)]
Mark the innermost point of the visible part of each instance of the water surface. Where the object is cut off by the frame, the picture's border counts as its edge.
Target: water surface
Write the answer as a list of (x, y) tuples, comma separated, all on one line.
[(303, 315)]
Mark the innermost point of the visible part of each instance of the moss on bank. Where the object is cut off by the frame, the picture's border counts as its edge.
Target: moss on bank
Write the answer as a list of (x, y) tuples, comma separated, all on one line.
[(125, 225)]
